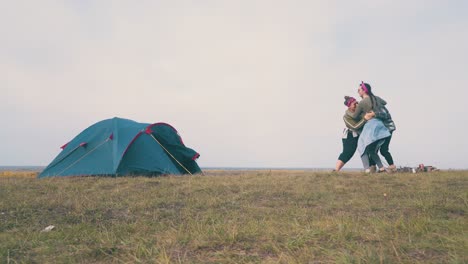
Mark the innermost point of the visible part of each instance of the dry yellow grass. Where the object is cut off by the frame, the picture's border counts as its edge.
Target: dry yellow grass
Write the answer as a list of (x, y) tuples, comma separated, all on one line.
[(18, 174)]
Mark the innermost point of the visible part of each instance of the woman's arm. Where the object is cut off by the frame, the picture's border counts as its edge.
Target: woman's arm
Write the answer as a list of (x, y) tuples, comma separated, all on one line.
[(357, 113), (353, 124)]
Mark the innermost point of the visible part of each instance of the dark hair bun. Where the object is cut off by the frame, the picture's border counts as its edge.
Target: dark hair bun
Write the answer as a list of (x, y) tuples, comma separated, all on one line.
[(346, 98)]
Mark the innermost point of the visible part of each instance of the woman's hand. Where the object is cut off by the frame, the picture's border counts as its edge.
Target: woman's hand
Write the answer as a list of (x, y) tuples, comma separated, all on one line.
[(369, 115)]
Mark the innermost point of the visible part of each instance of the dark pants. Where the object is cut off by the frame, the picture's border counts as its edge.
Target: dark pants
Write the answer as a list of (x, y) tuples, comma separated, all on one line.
[(370, 157), (384, 151), (349, 147)]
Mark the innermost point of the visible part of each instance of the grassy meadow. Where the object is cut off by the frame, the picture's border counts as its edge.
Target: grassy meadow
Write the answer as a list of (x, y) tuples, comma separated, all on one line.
[(236, 217)]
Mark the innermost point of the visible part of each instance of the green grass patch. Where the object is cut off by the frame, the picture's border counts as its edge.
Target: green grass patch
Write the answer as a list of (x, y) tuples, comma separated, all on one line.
[(238, 217)]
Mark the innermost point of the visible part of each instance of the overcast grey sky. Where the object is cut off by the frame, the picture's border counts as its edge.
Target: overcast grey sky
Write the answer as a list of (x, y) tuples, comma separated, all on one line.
[(247, 83)]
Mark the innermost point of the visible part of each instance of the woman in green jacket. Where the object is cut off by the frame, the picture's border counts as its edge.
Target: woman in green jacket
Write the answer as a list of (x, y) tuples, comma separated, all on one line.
[(351, 132)]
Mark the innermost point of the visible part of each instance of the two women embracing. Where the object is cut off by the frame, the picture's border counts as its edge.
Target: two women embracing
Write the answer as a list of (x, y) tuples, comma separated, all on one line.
[(369, 129)]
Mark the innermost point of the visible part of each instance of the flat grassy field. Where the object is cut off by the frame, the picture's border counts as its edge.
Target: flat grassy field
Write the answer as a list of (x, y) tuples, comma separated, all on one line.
[(236, 217)]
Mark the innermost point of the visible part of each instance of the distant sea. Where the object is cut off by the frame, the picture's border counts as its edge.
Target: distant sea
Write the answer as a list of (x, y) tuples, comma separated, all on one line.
[(40, 168), (267, 168)]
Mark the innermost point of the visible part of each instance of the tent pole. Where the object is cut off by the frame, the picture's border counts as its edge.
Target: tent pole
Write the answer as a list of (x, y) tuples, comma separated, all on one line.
[(171, 154), (86, 154)]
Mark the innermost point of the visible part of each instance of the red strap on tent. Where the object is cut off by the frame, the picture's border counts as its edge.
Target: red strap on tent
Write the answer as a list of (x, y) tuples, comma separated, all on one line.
[(111, 137), (148, 130), (166, 124), (64, 146), (196, 156), (83, 144)]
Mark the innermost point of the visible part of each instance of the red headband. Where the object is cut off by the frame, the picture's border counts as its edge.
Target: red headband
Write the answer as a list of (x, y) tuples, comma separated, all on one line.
[(364, 87), (350, 101)]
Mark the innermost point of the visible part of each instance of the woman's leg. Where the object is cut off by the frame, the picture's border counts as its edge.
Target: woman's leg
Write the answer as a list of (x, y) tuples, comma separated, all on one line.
[(371, 153), (365, 160), (339, 165), (349, 148), (372, 167), (375, 157), (385, 152)]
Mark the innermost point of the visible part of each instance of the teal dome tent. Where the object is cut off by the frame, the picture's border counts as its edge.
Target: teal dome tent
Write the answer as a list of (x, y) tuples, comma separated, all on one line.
[(119, 147)]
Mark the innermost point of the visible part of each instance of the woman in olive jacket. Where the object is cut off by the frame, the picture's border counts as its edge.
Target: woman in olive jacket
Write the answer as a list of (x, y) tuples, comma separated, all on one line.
[(351, 132)]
